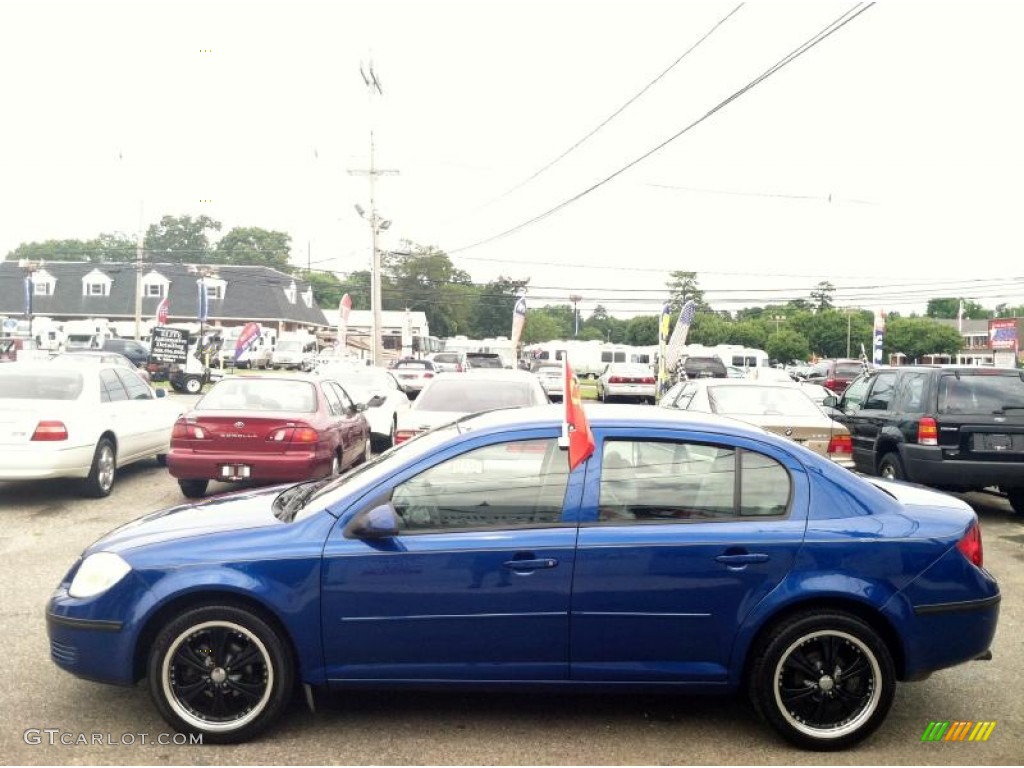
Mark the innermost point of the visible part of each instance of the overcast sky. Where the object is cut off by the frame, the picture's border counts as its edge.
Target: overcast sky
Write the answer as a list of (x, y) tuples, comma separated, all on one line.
[(887, 159)]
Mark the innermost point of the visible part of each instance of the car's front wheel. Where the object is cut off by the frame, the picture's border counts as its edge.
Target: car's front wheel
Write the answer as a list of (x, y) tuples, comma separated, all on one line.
[(220, 671), (824, 679)]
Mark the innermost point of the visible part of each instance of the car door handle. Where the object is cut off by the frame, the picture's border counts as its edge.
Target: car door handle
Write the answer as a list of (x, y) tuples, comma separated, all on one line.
[(744, 559), (531, 565)]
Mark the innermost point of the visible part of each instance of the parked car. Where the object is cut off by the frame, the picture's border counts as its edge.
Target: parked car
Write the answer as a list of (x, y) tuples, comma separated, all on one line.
[(454, 362), (79, 421), (378, 390), (626, 380), (413, 375), (552, 377), (136, 351), (836, 374), (267, 429), (484, 360), (10, 347), (450, 396), (696, 367), (688, 552), (86, 357), (959, 428), (776, 406)]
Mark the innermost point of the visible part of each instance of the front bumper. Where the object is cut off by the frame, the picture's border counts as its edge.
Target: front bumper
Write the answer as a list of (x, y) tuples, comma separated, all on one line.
[(85, 645)]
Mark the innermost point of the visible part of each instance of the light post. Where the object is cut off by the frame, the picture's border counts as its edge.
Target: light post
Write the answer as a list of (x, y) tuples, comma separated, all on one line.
[(778, 319), (575, 298)]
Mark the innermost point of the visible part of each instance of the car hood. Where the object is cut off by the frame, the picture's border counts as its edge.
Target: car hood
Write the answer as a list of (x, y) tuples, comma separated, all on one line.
[(240, 511)]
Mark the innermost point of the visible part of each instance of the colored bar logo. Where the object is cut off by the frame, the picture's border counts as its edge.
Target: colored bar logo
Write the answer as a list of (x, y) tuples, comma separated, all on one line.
[(958, 730)]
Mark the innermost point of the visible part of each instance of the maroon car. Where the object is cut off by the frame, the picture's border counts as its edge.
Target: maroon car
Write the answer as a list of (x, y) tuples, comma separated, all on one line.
[(267, 429)]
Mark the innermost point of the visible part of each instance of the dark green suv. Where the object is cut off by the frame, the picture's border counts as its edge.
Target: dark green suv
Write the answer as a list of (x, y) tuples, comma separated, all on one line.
[(957, 428)]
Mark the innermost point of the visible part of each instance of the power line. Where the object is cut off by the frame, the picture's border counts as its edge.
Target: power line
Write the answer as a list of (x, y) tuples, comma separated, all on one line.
[(826, 32), (614, 114)]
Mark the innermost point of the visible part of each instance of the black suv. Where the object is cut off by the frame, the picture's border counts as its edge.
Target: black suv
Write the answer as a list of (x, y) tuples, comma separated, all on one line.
[(957, 428), (134, 350), (704, 368)]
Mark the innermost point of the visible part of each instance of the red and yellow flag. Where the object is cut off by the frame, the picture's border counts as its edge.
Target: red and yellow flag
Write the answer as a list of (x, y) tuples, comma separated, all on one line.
[(581, 439)]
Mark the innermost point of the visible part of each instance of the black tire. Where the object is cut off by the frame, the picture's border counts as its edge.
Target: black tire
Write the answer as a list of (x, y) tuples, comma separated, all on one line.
[(161, 459), (193, 385), (891, 468), (103, 472), (798, 686), (220, 671), (177, 387), (1016, 499), (193, 489)]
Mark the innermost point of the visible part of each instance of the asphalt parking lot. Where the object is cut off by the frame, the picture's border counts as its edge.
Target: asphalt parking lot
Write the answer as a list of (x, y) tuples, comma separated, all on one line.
[(45, 526)]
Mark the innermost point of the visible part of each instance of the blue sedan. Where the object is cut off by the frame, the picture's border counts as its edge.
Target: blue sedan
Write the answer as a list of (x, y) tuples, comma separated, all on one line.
[(688, 552)]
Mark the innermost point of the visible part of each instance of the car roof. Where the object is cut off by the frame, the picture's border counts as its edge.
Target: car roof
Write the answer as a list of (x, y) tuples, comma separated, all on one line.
[(762, 383)]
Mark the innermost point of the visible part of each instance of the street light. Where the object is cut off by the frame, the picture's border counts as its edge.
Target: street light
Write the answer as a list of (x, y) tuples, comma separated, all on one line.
[(778, 319), (575, 298)]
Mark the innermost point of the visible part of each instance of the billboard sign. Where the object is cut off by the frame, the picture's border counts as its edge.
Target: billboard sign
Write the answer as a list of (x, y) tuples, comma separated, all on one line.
[(168, 345), (1002, 333)]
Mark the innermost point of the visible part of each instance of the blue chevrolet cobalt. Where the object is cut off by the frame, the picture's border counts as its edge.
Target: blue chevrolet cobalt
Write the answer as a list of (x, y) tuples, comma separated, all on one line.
[(681, 552)]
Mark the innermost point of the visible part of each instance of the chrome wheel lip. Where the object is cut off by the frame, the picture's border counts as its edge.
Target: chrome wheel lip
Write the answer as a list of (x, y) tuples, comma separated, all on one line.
[(853, 724), (105, 468), (187, 714)]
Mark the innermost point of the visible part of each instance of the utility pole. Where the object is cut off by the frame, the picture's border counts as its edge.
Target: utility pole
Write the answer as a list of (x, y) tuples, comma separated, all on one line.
[(30, 268), (377, 223), (138, 279)]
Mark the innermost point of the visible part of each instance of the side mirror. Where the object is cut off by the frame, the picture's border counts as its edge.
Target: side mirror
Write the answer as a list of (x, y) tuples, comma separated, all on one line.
[(831, 401), (358, 407), (160, 392), (381, 522), (376, 401)]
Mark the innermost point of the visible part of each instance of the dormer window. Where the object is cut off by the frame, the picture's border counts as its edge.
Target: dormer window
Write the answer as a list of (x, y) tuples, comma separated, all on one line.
[(155, 285), (96, 284), (215, 288), (43, 283), (307, 297), (290, 292)]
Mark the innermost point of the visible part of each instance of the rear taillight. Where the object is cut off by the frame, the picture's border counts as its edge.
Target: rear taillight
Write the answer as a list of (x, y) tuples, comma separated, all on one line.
[(458, 367), (616, 380), (927, 431), (186, 430), (405, 434), (304, 435), (970, 545), (831, 384), (428, 375), (649, 380), (840, 444), (50, 431)]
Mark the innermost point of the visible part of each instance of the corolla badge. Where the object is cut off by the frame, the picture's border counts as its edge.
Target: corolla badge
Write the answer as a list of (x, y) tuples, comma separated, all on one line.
[(239, 424), (789, 432)]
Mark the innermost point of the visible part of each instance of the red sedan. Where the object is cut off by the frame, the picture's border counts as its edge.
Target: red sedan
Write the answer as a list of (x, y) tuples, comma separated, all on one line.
[(268, 429)]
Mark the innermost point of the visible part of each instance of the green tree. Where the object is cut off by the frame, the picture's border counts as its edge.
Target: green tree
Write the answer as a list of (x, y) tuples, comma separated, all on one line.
[(494, 305), (181, 240), (787, 345), (327, 289), (748, 334), (682, 287), (541, 326), (918, 336), (423, 278), (256, 247), (821, 296), (642, 330), (106, 247), (948, 308), (709, 328)]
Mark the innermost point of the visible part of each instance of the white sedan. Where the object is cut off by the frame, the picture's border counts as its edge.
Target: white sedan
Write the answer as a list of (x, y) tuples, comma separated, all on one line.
[(80, 422), (626, 380), (376, 388)]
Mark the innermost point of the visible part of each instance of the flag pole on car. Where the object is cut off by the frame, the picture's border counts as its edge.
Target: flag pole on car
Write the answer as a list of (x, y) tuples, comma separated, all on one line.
[(576, 434)]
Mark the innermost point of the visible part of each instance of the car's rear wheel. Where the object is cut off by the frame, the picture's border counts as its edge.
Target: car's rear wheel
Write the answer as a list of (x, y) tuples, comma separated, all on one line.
[(220, 671), (161, 459), (193, 385), (335, 466), (824, 679), (193, 489), (103, 472), (891, 468)]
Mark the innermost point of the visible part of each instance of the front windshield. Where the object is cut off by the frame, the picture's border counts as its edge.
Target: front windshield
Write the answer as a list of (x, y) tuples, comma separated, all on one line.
[(368, 474)]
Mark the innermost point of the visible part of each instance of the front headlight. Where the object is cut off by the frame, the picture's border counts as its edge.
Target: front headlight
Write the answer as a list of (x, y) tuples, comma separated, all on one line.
[(99, 572)]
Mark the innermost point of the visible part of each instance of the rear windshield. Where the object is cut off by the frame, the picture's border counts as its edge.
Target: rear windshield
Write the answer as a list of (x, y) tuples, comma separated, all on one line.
[(979, 393), (485, 361), (849, 370), (446, 358), (63, 385), (461, 396), (420, 364), (260, 395), (762, 401)]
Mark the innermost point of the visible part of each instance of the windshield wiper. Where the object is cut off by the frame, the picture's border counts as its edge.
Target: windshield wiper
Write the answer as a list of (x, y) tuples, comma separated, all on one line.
[(291, 500), (1006, 408)]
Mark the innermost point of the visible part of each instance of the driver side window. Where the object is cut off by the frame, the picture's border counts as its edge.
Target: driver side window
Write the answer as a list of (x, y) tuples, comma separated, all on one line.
[(508, 485)]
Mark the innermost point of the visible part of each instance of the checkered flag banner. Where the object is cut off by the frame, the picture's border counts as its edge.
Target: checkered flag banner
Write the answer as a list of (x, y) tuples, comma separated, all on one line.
[(677, 341)]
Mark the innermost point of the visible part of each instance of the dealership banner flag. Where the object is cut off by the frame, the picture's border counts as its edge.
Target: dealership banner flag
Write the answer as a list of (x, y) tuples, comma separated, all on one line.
[(575, 428), (344, 309), (663, 326), (248, 335), (162, 310), (879, 337), (29, 289), (677, 341), (204, 301), (518, 321)]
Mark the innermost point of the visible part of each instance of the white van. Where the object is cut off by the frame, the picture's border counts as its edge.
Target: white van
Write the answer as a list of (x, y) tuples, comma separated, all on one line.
[(295, 350)]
